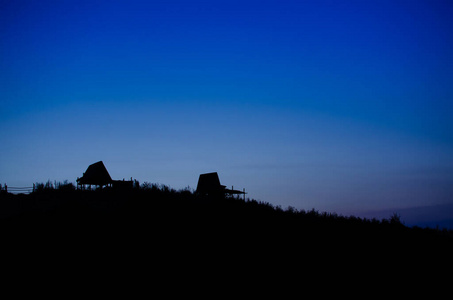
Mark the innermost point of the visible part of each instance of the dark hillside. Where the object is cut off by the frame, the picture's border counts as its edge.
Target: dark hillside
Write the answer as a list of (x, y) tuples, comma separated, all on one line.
[(160, 224)]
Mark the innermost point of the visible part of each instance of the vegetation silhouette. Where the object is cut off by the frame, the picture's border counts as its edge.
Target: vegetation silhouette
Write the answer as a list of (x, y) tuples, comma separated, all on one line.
[(164, 228), (150, 201)]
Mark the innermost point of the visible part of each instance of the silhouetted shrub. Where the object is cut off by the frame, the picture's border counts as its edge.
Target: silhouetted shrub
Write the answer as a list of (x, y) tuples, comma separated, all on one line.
[(39, 187), (65, 186), (395, 219), (291, 210), (48, 185), (313, 213), (147, 186)]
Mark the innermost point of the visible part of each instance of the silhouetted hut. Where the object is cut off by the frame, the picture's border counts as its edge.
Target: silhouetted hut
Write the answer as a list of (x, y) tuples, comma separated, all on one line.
[(96, 174), (209, 184)]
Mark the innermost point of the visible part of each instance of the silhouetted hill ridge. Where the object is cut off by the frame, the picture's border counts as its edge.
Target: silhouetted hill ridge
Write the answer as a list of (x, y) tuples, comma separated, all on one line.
[(163, 230), (166, 211)]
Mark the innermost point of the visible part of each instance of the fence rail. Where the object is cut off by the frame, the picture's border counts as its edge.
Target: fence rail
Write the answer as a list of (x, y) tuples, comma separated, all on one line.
[(17, 190)]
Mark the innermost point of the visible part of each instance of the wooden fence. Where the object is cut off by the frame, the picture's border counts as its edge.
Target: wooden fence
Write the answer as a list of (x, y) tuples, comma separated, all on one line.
[(17, 190)]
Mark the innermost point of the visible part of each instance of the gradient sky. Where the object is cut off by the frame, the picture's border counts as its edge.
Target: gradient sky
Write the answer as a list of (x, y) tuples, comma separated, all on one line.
[(342, 106)]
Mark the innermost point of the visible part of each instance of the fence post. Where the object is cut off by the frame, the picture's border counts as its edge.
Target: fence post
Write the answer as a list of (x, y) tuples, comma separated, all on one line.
[(6, 188)]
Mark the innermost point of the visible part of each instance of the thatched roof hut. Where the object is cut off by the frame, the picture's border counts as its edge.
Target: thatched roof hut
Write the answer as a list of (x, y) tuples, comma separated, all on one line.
[(96, 174), (209, 184)]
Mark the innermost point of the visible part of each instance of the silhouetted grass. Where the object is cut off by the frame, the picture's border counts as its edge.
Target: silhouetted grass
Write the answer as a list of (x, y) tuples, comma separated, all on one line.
[(153, 217)]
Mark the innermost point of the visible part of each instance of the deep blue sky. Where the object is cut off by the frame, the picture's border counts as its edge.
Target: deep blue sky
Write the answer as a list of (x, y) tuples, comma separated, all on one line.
[(341, 106)]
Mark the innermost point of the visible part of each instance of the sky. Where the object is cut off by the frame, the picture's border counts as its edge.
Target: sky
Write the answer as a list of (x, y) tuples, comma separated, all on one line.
[(342, 106)]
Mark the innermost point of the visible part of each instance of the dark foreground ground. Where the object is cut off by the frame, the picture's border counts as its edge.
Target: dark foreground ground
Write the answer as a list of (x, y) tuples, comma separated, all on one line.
[(166, 233)]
